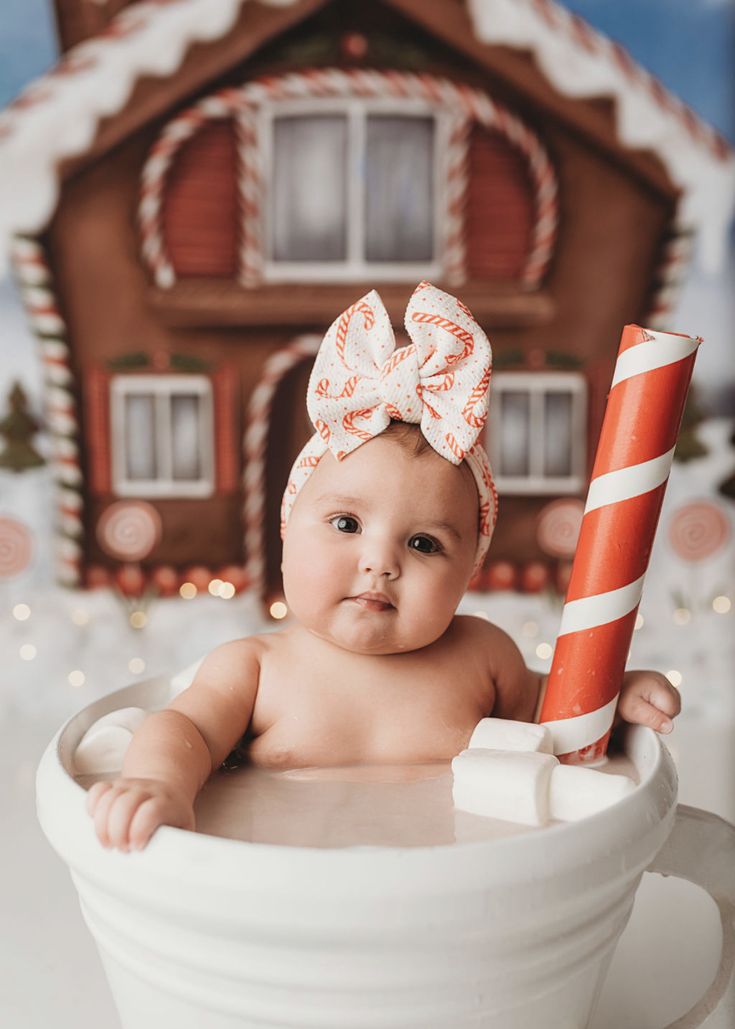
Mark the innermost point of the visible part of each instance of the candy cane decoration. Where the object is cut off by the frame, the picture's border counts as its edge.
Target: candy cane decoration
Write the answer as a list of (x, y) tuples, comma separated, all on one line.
[(255, 443), (632, 465), (36, 287), (461, 104)]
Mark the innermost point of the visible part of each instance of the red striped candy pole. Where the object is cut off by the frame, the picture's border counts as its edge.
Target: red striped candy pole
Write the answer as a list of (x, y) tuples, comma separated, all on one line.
[(634, 455)]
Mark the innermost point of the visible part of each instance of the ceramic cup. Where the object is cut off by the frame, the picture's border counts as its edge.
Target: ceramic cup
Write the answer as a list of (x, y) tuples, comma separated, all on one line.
[(514, 933)]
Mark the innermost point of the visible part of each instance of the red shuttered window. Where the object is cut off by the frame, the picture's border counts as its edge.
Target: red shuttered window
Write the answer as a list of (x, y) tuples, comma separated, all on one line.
[(499, 213), (200, 208)]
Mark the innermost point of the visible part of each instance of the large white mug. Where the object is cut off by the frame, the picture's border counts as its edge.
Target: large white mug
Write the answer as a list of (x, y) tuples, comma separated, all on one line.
[(517, 933)]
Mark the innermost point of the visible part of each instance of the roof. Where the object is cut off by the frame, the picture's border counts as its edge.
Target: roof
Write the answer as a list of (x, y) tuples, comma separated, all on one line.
[(57, 116)]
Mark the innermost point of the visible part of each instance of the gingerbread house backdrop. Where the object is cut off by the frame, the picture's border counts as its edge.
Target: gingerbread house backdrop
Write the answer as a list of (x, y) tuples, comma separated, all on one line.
[(200, 186)]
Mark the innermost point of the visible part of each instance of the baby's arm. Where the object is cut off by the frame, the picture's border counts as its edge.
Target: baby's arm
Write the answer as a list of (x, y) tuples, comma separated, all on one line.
[(517, 687), (175, 751)]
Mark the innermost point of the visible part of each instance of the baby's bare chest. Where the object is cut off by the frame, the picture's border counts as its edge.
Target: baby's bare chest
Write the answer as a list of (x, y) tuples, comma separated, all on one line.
[(384, 711)]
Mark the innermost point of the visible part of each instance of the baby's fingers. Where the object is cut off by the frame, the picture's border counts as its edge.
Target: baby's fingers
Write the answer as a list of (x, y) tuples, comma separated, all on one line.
[(102, 804), (120, 816), (145, 821), (643, 712), (94, 794)]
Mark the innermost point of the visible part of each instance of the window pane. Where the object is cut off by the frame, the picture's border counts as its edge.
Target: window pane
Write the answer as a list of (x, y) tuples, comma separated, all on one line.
[(185, 437), (140, 437), (309, 189), (399, 188), (514, 433), (558, 434)]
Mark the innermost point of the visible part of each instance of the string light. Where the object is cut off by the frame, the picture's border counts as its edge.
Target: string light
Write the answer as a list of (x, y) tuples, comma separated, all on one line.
[(227, 591), (215, 586), (674, 677), (76, 678), (22, 612), (682, 616), (640, 621), (187, 590), (529, 629), (27, 652), (544, 651), (138, 619), (721, 604), (136, 665), (278, 610)]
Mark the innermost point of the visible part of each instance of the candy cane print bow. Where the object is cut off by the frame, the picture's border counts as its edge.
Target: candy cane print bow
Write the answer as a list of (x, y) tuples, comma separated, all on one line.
[(360, 381)]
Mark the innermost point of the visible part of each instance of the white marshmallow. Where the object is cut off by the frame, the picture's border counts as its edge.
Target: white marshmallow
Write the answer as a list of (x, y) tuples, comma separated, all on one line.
[(102, 748), (578, 792), (504, 734), (530, 787), (513, 785)]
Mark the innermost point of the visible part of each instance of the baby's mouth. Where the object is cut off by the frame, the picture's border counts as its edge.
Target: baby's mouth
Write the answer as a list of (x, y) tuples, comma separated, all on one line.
[(371, 601)]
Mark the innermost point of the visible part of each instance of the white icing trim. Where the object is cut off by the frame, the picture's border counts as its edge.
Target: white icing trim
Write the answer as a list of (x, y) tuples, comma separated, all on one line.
[(58, 115), (589, 612), (580, 62), (644, 357), (571, 734), (625, 483)]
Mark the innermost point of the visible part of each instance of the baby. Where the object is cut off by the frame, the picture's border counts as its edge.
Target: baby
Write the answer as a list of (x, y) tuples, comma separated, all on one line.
[(388, 511)]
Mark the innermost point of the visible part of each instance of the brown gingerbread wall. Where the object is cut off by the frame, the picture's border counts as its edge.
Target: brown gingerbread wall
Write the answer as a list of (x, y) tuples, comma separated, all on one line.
[(612, 224)]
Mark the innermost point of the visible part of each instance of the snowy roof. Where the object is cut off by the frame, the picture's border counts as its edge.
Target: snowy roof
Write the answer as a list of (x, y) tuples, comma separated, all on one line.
[(57, 116), (580, 62)]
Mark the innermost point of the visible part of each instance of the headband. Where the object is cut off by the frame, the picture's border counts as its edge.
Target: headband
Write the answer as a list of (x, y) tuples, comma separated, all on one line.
[(360, 383)]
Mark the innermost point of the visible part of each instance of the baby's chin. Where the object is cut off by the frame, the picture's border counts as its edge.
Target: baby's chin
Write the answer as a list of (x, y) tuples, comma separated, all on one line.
[(376, 636)]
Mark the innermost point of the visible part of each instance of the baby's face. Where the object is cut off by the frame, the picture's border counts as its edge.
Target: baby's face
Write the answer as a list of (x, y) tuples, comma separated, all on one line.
[(379, 548)]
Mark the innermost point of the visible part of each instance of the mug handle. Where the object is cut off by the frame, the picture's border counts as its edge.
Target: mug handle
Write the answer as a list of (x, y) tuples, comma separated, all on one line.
[(701, 849)]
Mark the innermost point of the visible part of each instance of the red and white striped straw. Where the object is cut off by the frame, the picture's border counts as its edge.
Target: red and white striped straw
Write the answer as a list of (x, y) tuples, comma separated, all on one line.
[(632, 464)]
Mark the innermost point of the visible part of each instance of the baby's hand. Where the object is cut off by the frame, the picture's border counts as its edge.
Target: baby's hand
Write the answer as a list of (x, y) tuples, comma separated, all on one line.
[(127, 812), (648, 698)]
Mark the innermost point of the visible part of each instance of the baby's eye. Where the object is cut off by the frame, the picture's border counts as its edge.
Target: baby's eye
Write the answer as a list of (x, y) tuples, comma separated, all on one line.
[(424, 544), (345, 523)]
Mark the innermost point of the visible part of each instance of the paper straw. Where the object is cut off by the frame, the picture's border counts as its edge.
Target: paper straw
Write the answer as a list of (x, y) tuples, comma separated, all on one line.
[(632, 464)]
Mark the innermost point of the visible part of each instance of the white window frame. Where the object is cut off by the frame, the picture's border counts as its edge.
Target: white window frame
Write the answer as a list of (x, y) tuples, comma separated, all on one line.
[(538, 385), (163, 388), (356, 110)]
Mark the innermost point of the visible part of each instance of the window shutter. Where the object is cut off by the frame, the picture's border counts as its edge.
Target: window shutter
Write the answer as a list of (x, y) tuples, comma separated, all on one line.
[(200, 205), (98, 430), (226, 391), (500, 208)]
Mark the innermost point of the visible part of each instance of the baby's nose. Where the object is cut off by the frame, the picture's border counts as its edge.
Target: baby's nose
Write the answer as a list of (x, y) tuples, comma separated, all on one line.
[(380, 557)]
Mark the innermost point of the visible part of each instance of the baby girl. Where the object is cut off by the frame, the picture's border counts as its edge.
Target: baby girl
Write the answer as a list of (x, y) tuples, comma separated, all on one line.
[(388, 511)]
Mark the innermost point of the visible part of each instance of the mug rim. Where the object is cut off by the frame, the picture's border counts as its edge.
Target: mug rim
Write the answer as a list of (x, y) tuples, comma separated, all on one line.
[(640, 821)]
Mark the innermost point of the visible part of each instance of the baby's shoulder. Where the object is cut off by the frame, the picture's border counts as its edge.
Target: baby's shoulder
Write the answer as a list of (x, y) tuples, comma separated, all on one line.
[(487, 639), (237, 655), (470, 628)]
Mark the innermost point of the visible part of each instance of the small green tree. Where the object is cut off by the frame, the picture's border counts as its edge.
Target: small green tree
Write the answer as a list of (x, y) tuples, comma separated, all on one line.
[(18, 429), (689, 445)]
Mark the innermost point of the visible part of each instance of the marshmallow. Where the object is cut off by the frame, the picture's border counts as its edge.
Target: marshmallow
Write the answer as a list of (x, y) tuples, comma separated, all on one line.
[(504, 734), (531, 787), (578, 792), (102, 748), (513, 785)]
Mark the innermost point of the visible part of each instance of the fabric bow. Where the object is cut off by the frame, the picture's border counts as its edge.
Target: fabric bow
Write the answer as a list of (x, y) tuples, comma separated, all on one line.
[(360, 381)]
